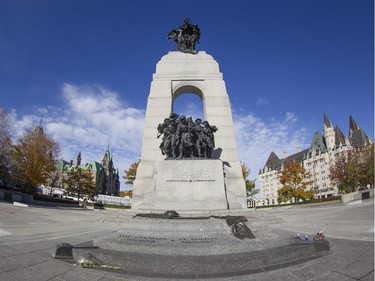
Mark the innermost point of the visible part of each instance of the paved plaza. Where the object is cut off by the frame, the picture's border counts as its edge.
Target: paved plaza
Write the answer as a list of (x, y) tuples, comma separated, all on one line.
[(29, 235)]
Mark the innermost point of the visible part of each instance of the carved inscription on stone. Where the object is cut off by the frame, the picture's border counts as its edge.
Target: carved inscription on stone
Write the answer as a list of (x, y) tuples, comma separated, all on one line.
[(197, 175), (163, 240), (201, 240), (142, 239)]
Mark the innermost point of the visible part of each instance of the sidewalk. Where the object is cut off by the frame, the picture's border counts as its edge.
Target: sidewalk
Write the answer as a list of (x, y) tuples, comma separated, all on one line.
[(29, 235)]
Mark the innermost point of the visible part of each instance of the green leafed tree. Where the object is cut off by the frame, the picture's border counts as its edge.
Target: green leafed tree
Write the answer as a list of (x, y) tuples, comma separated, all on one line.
[(33, 158), (296, 183), (353, 169), (79, 182), (131, 173), (249, 184)]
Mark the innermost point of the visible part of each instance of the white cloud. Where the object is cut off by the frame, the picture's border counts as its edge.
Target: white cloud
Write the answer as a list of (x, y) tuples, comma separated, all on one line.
[(18, 126), (256, 138), (90, 119), (262, 102)]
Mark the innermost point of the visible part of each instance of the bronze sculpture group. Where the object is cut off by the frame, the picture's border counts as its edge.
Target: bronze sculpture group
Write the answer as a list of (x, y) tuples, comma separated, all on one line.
[(185, 138), (186, 37)]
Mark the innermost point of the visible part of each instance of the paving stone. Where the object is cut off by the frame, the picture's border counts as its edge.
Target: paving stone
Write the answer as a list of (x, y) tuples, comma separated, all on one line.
[(31, 258), (334, 276), (358, 269), (27, 247), (5, 277), (368, 277), (276, 275), (27, 274), (8, 264), (43, 245), (111, 278), (8, 251), (312, 271), (119, 275), (81, 275), (52, 268)]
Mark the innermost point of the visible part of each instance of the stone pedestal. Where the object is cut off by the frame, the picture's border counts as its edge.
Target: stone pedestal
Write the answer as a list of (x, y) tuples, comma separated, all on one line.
[(176, 74), (190, 237), (195, 185)]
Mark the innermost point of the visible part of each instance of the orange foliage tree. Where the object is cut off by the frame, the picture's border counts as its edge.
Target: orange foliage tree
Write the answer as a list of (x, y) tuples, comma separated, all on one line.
[(296, 182), (131, 173), (353, 169), (33, 158)]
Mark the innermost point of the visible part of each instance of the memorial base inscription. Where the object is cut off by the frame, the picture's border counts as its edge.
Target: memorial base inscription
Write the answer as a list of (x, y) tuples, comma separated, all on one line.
[(190, 185), (188, 236)]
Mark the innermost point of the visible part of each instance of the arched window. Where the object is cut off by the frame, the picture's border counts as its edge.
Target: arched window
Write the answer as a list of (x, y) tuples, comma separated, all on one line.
[(188, 104)]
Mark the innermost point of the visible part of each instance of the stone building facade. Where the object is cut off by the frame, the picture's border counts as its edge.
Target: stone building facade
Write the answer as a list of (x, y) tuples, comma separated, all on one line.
[(106, 177), (317, 159)]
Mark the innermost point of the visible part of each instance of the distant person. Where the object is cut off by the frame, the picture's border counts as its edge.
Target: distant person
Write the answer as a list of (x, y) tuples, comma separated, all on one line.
[(84, 203)]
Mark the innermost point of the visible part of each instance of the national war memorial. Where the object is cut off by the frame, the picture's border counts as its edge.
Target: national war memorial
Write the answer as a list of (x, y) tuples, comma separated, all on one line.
[(216, 181), (189, 200)]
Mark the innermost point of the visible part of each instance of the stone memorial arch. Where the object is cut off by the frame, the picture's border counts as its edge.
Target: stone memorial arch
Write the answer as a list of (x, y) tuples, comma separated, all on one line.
[(178, 73)]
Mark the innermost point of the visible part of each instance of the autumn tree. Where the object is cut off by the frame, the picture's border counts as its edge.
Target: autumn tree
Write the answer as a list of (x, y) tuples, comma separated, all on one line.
[(131, 173), (79, 182), (296, 182), (249, 184), (33, 158), (127, 192), (366, 155), (353, 169), (285, 194), (5, 147)]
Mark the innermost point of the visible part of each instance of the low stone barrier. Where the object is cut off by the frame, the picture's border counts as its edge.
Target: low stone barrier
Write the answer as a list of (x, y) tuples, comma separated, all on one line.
[(357, 195)]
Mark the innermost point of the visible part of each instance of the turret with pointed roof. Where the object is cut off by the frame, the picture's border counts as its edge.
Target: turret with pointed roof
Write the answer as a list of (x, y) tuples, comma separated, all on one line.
[(329, 133), (357, 136), (340, 138)]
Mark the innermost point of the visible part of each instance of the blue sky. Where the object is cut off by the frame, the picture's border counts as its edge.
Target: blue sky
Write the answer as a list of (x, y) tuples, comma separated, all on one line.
[(87, 67)]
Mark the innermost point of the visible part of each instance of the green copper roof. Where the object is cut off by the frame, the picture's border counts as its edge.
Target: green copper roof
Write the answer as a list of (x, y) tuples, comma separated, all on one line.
[(318, 143)]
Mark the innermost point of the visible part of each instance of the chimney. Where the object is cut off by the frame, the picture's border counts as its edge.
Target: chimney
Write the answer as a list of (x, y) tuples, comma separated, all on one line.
[(299, 149), (285, 154)]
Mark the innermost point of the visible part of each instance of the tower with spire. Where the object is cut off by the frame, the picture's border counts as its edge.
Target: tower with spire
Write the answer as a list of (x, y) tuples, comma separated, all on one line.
[(107, 161), (106, 177)]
